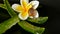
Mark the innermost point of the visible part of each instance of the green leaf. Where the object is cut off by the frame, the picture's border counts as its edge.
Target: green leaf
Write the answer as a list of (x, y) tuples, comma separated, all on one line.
[(31, 28), (3, 6), (39, 20), (9, 9), (8, 24)]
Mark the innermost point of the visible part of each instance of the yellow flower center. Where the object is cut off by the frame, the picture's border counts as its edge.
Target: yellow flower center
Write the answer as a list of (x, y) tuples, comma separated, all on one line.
[(25, 7)]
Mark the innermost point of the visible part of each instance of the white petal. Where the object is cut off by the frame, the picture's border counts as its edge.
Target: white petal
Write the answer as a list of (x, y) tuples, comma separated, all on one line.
[(22, 17), (31, 17), (14, 7), (35, 4), (24, 0), (36, 16)]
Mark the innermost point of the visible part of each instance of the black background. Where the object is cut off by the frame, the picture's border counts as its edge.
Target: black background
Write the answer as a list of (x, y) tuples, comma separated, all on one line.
[(50, 8)]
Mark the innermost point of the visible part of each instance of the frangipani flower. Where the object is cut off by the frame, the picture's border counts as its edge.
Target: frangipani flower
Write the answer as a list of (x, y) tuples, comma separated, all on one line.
[(26, 9)]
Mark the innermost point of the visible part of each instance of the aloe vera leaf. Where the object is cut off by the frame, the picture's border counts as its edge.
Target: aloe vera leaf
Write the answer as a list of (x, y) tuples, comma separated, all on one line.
[(13, 15), (8, 24), (31, 28), (3, 6), (9, 9), (39, 20)]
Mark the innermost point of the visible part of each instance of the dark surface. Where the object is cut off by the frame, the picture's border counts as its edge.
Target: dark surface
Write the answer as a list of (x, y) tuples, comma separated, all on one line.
[(50, 8), (53, 9)]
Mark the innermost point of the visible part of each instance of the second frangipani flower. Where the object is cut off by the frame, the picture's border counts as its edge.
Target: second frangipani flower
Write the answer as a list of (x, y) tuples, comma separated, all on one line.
[(26, 9)]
